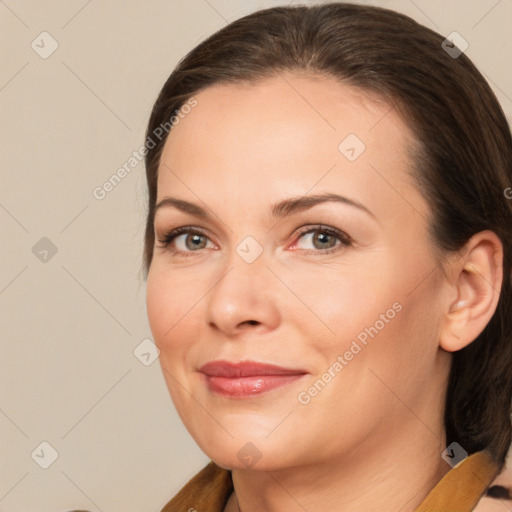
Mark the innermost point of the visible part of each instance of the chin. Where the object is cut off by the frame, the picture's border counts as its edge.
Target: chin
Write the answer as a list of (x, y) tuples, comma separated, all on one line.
[(232, 462), (246, 452)]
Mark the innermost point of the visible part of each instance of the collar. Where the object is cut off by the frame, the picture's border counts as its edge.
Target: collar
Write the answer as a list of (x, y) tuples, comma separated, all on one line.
[(458, 491), (463, 486)]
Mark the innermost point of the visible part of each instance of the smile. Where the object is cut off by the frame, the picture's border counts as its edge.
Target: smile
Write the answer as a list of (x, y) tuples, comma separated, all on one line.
[(246, 379)]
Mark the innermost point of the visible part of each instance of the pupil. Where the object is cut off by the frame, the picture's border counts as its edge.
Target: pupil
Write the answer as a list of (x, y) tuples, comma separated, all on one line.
[(323, 238), (196, 242)]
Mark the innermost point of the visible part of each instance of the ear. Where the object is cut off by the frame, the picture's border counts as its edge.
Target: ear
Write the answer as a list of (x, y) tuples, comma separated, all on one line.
[(475, 281)]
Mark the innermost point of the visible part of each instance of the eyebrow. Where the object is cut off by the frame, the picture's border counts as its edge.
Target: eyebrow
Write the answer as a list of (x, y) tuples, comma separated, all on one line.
[(281, 209)]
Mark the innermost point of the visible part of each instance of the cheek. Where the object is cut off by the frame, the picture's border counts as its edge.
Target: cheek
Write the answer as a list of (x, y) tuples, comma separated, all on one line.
[(170, 304), (372, 305), (155, 300), (170, 310), (344, 299)]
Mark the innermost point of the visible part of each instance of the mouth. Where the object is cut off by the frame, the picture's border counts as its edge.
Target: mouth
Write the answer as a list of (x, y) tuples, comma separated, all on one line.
[(247, 378)]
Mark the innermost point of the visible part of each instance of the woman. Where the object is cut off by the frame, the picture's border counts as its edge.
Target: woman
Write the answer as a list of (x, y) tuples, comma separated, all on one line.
[(328, 252)]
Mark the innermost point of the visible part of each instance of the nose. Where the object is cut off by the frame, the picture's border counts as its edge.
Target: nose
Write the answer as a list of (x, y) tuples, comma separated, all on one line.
[(244, 298)]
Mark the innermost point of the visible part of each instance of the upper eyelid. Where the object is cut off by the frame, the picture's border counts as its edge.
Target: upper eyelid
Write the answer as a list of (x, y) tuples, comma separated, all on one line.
[(298, 232), (344, 237), (183, 230), (165, 230), (287, 214), (321, 227)]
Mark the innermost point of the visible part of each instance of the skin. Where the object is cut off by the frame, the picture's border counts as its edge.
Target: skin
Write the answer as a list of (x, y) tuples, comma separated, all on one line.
[(372, 438)]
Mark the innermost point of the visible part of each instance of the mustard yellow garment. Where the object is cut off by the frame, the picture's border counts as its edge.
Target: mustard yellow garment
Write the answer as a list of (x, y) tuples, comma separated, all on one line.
[(458, 491)]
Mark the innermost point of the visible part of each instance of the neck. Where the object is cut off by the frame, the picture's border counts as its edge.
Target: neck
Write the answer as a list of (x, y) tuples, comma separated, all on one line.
[(377, 476)]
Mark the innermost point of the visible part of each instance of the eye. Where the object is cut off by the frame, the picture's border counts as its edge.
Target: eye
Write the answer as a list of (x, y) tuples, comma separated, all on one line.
[(323, 239), (186, 239)]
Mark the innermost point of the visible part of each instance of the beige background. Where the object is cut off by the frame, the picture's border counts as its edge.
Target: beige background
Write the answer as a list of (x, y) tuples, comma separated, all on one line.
[(70, 323)]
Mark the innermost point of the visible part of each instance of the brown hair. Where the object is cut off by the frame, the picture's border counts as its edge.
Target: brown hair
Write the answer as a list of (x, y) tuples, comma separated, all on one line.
[(463, 164)]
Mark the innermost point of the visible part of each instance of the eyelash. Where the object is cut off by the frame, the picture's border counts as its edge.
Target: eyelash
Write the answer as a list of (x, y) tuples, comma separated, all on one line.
[(171, 235), (345, 240)]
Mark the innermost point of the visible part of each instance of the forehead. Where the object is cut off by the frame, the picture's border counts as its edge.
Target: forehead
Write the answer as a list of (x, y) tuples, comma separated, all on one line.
[(289, 134)]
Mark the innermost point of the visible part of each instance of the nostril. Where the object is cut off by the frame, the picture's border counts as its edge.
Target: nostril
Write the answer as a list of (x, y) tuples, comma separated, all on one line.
[(250, 322)]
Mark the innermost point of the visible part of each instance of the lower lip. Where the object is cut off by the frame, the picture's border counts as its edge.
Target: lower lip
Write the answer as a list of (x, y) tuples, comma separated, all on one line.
[(244, 387)]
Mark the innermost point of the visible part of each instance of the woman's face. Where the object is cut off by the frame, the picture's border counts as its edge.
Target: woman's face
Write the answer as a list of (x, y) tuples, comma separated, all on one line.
[(341, 294)]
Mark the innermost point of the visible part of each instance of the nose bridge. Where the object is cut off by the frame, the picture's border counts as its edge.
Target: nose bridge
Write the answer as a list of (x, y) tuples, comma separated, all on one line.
[(243, 274), (243, 292)]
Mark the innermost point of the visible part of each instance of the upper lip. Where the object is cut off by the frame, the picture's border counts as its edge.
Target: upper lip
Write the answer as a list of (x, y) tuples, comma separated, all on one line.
[(245, 369)]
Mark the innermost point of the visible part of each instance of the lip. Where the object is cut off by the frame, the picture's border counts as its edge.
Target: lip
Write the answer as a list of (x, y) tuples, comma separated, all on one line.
[(247, 378)]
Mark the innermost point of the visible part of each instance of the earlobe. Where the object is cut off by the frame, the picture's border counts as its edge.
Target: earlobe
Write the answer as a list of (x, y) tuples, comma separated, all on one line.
[(477, 280)]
